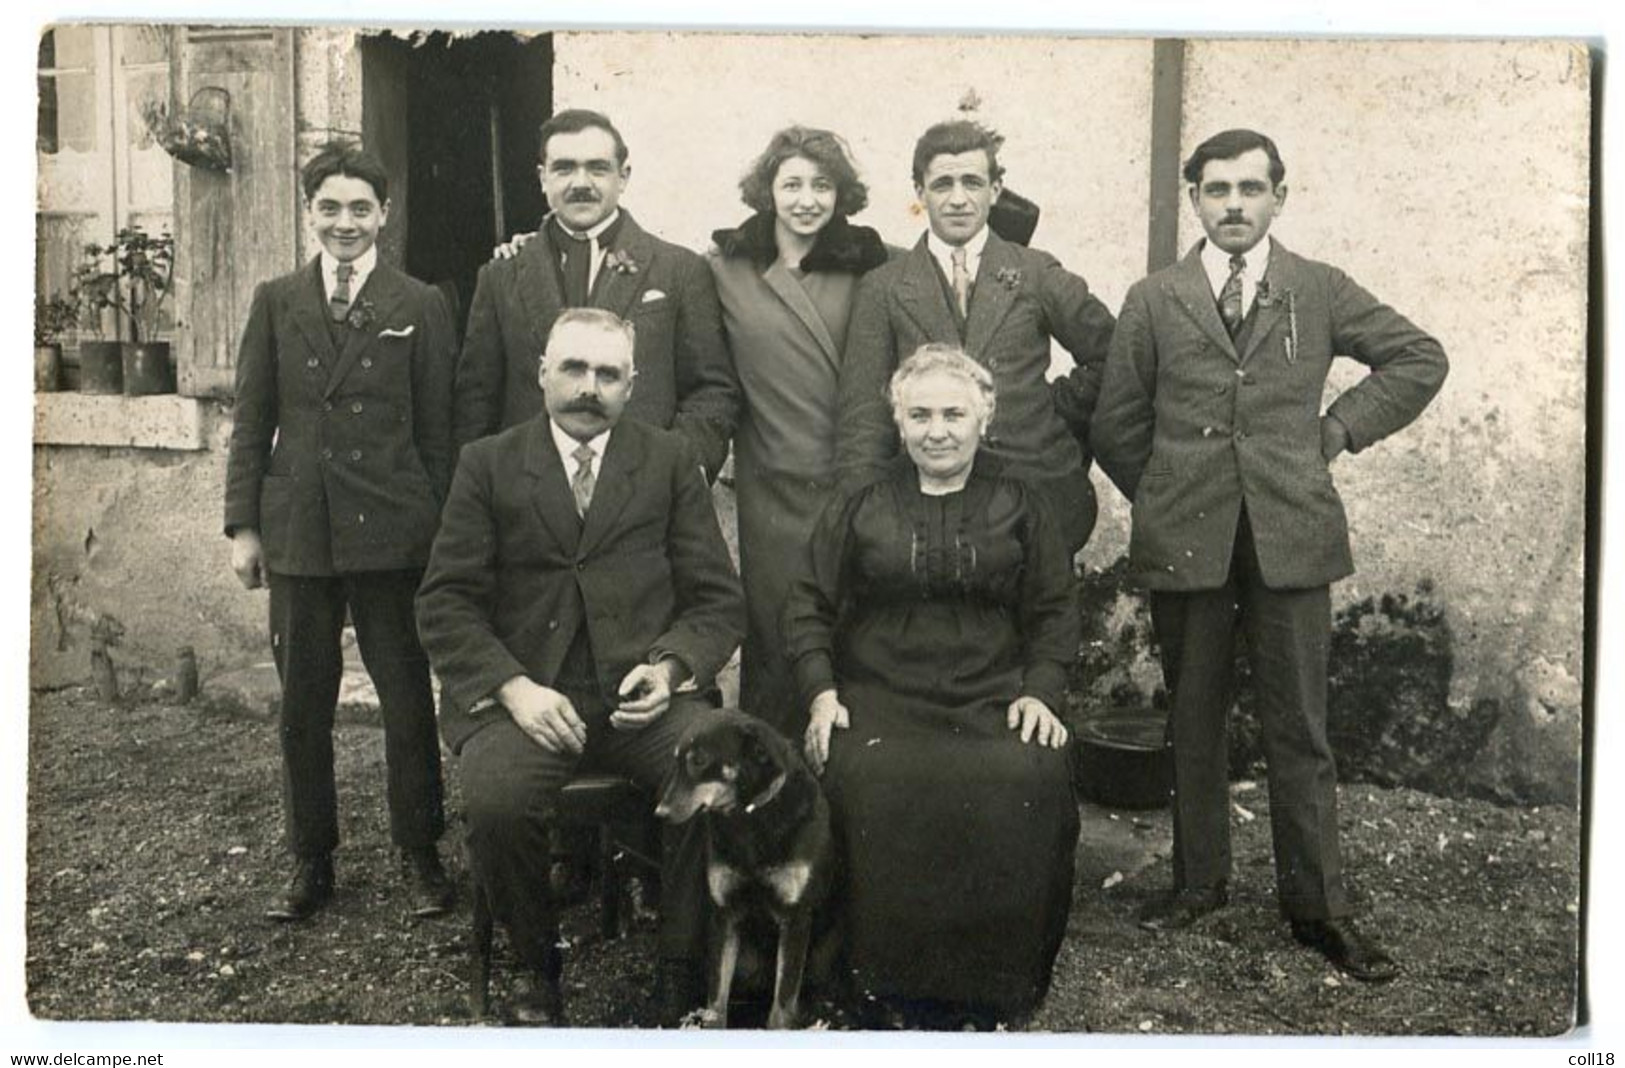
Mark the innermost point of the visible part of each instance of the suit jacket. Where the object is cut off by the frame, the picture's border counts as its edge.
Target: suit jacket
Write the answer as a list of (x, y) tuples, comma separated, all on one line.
[(1021, 299), (1190, 429), (685, 380), (341, 453), (515, 573)]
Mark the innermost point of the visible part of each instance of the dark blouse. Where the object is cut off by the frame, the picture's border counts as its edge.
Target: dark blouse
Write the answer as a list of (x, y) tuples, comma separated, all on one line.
[(962, 601)]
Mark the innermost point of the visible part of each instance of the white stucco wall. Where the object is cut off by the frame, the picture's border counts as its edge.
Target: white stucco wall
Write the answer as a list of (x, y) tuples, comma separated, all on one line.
[(696, 110), (1451, 180)]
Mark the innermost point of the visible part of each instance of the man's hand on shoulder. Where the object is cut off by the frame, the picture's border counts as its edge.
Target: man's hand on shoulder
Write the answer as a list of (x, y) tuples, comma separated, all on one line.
[(248, 558), (511, 248), (546, 715)]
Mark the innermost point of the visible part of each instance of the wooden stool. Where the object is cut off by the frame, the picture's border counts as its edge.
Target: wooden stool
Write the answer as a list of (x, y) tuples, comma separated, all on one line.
[(610, 805)]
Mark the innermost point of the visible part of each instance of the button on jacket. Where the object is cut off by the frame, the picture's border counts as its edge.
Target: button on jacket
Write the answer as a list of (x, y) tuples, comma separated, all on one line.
[(341, 447)]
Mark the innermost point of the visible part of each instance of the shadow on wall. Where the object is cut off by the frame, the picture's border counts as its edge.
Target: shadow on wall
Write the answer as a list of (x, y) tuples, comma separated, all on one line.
[(1389, 714)]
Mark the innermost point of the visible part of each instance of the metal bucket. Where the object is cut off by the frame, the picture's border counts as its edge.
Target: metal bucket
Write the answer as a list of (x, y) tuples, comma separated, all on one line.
[(1124, 760)]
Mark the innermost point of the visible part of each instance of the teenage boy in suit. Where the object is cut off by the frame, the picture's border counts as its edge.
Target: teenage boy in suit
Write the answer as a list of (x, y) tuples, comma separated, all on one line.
[(341, 452)]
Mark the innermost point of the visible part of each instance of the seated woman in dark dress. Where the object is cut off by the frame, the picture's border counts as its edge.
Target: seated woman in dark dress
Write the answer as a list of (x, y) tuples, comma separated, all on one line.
[(931, 634)]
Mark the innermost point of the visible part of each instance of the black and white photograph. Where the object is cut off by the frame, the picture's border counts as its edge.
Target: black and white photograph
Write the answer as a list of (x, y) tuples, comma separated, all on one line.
[(945, 532)]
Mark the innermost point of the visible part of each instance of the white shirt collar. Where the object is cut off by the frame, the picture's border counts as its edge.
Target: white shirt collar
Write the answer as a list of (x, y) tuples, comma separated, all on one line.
[(597, 231), (944, 252), (363, 265), (1216, 262), (597, 261), (568, 445)]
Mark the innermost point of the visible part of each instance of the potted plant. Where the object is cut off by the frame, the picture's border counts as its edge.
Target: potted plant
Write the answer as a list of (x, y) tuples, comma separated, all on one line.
[(95, 292), (53, 316), (133, 277), (146, 266)]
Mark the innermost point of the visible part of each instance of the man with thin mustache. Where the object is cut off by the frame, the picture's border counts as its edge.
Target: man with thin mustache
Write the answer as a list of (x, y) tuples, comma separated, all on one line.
[(591, 253), (1210, 421)]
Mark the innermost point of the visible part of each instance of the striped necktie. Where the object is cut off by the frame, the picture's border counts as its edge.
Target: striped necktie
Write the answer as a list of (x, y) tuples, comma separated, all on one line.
[(338, 305), (1230, 296)]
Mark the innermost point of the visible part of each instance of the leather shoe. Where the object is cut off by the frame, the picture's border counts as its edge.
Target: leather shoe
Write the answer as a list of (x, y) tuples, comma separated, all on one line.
[(1183, 907), (536, 1002), (432, 893), (679, 990), (1342, 943), (310, 888)]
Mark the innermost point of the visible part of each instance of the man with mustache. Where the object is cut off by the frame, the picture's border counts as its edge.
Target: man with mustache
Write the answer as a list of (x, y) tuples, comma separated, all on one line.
[(1210, 422), (578, 604), (591, 253), (1002, 303)]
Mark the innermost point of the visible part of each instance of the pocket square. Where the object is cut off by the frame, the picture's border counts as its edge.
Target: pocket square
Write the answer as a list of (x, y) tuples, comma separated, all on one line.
[(651, 295), (405, 331)]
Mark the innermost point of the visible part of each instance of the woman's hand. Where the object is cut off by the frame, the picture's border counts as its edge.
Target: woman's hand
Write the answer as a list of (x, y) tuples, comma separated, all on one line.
[(1035, 721), (827, 713)]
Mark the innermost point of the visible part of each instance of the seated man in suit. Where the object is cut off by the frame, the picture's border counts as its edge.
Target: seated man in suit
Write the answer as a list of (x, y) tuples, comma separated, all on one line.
[(340, 456), (592, 254), (963, 285), (577, 593)]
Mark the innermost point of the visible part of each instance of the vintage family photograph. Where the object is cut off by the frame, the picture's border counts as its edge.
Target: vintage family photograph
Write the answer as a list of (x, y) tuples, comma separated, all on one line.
[(678, 529)]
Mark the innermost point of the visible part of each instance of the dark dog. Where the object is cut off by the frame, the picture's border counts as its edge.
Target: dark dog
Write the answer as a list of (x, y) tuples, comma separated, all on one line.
[(769, 846)]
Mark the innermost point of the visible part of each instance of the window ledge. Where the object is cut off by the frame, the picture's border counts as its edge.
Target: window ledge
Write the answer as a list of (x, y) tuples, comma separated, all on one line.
[(162, 422)]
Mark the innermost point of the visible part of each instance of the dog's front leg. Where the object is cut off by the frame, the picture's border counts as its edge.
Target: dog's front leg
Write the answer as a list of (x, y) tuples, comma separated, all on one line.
[(795, 933), (722, 980)]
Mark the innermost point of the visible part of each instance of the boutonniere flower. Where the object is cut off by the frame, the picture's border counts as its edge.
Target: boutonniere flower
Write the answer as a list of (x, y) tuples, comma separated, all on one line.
[(1268, 297), (1008, 277), (360, 316), (622, 263)]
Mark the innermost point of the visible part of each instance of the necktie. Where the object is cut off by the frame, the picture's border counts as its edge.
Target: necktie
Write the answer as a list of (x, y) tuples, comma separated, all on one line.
[(577, 268), (338, 305), (1230, 296), (961, 282), (581, 485)]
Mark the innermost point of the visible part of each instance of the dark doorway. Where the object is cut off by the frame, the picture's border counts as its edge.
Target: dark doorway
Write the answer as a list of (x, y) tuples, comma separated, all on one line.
[(456, 117)]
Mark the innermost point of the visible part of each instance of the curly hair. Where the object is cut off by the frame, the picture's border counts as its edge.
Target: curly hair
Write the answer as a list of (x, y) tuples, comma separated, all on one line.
[(821, 147), (946, 359)]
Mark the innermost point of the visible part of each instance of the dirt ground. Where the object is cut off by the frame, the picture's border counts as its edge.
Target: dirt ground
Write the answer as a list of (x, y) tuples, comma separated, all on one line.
[(154, 846)]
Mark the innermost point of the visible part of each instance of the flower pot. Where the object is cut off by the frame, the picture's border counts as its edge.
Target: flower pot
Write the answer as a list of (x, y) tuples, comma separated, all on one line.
[(149, 368), (101, 367), (47, 368)]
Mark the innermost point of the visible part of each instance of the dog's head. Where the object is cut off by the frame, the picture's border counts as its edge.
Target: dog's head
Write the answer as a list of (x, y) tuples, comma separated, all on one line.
[(729, 761)]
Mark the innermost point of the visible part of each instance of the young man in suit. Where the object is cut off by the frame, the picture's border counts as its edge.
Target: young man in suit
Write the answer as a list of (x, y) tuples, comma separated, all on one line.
[(1210, 422), (577, 607), (591, 253), (341, 453), (963, 285)]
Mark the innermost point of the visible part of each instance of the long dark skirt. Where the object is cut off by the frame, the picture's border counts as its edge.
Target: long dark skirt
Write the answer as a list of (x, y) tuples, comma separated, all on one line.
[(959, 843)]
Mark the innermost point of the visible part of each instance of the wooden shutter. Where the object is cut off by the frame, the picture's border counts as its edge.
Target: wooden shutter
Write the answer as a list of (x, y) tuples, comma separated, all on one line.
[(233, 230)]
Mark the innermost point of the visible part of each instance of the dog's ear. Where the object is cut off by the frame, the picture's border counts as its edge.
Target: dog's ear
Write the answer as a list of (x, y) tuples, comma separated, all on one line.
[(763, 756)]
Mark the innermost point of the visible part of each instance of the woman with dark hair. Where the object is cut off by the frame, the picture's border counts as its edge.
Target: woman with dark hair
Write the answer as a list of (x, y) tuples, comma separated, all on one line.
[(786, 279), (931, 631)]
